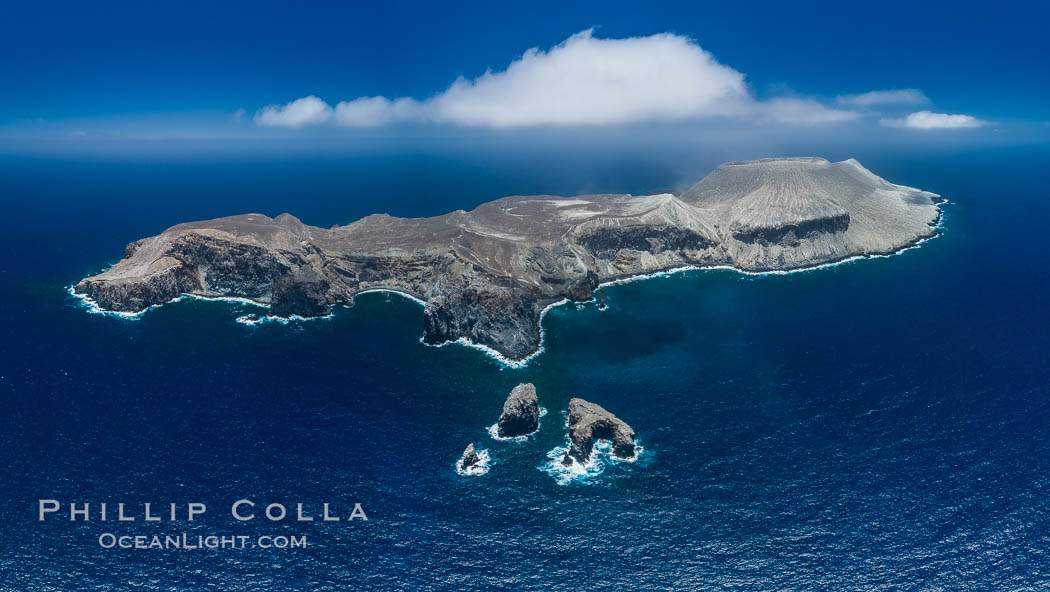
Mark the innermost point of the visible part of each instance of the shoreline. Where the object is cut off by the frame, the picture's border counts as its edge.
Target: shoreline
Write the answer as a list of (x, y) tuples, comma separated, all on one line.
[(499, 357), (937, 227), (504, 361)]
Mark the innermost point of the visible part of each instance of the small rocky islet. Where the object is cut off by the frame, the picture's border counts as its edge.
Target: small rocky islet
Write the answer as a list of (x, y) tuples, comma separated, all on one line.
[(469, 460), (521, 413), (588, 423)]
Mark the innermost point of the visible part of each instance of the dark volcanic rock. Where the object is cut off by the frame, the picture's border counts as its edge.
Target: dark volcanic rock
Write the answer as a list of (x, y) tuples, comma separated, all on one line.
[(167, 278), (521, 413), (500, 318), (581, 290), (303, 293), (589, 423), (469, 460), (232, 268), (606, 242), (485, 275), (792, 234)]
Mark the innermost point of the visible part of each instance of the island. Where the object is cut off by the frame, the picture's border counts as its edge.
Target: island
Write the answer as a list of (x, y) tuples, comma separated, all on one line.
[(521, 413), (471, 462), (486, 276), (588, 423)]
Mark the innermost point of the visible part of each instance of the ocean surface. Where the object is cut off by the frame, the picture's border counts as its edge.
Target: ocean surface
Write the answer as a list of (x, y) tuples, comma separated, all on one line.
[(881, 425)]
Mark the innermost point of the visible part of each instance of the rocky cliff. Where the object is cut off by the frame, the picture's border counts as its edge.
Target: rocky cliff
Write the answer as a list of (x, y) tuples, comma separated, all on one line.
[(485, 275)]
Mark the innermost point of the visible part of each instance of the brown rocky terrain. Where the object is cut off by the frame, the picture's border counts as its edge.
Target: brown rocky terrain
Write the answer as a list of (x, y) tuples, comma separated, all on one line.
[(485, 275)]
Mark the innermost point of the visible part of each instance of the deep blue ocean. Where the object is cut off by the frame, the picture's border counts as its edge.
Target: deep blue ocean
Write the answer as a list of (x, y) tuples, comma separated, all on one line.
[(882, 424)]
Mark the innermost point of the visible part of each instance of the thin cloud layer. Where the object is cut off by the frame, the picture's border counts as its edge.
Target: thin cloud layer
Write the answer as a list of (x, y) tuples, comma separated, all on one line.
[(581, 81), (931, 120), (802, 111), (907, 96), (376, 111), (300, 112)]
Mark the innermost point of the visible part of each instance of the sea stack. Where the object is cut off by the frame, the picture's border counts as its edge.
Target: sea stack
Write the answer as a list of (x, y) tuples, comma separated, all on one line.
[(469, 460), (521, 413), (589, 423)]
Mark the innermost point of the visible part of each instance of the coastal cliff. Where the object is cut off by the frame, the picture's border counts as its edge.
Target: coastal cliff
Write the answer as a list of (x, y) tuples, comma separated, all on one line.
[(487, 274)]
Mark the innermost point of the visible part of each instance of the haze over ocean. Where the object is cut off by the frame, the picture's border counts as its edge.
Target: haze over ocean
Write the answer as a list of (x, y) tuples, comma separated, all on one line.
[(880, 423)]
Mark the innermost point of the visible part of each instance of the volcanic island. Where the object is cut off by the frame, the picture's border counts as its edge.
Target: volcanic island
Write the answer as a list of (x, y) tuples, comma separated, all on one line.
[(486, 276)]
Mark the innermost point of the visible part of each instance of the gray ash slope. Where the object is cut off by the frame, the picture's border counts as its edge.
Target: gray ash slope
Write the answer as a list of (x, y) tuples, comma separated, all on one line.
[(485, 275)]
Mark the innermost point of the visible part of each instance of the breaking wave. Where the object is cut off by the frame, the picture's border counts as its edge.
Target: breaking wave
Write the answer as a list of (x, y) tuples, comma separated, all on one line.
[(483, 466), (493, 431), (587, 473)]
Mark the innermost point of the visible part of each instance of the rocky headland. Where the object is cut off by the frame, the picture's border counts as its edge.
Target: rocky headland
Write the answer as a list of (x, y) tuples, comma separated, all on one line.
[(486, 275)]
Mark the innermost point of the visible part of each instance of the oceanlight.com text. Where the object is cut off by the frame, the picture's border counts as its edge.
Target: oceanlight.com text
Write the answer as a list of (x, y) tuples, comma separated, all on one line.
[(184, 541)]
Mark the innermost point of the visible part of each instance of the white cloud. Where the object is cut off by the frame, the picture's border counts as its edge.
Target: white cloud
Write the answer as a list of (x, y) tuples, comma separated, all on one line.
[(305, 111), (930, 120), (375, 111), (907, 96), (586, 80), (582, 81)]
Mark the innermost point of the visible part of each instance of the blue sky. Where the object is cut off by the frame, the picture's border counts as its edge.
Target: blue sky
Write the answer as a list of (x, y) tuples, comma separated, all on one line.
[(209, 70)]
